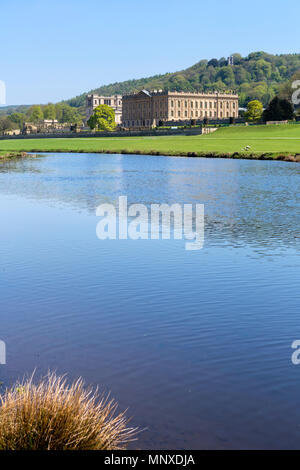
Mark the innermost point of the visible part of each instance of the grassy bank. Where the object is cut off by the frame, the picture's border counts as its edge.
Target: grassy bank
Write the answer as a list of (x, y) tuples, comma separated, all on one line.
[(269, 142), (11, 155)]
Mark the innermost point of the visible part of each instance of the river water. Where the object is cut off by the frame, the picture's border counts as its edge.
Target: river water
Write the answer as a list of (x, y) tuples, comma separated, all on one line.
[(196, 344)]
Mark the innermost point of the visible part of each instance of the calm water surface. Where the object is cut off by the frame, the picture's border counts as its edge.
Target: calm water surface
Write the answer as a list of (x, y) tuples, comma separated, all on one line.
[(197, 344)]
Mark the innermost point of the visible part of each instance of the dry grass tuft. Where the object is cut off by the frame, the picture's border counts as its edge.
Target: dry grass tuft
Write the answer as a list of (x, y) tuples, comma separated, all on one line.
[(52, 415)]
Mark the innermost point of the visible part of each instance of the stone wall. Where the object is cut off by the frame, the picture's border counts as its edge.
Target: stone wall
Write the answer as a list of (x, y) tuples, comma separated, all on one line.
[(133, 133)]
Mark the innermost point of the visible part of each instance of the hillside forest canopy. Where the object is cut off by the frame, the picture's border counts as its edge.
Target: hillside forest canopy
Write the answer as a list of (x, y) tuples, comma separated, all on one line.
[(259, 76)]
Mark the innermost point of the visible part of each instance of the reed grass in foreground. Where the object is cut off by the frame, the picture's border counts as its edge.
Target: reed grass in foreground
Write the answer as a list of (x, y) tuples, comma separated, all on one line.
[(52, 415)]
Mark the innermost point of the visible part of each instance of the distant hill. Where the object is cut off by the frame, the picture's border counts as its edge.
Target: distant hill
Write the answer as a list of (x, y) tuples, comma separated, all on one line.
[(257, 76), (6, 110)]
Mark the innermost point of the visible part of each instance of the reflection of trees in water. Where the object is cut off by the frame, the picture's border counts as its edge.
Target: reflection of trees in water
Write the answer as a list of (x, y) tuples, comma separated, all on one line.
[(20, 165), (256, 233), (246, 203)]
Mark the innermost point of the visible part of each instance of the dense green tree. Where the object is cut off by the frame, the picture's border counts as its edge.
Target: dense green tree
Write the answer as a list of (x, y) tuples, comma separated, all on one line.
[(241, 75), (262, 69), (223, 62), (213, 63), (49, 111), (36, 114), (103, 118), (279, 110), (227, 76), (254, 111), (18, 119), (5, 124), (237, 58), (68, 114)]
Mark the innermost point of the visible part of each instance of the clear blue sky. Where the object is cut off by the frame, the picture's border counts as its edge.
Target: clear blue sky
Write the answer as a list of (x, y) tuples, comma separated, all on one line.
[(55, 50)]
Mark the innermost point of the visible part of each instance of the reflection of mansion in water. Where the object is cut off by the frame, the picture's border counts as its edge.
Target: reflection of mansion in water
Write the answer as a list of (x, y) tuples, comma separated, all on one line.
[(115, 102)]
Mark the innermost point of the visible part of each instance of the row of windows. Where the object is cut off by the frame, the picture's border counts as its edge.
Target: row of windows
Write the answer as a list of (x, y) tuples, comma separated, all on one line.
[(158, 104), (139, 122), (132, 108), (131, 113), (108, 102), (197, 114), (185, 114), (203, 104), (201, 114)]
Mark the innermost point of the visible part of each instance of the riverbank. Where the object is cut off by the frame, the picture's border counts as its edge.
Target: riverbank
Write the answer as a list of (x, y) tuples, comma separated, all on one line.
[(11, 155), (280, 142), (236, 155)]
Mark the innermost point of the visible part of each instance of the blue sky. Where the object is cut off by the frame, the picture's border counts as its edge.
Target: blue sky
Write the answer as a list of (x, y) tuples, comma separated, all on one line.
[(58, 49)]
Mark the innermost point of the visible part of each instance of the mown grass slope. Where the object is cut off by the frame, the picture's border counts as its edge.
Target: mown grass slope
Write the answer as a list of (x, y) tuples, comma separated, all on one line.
[(282, 139)]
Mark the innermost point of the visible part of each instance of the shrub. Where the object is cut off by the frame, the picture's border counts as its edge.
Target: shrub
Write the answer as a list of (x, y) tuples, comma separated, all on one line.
[(52, 415)]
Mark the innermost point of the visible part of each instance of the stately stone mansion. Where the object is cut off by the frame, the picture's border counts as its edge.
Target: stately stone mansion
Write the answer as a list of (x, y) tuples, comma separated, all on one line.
[(115, 102), (147, 109)]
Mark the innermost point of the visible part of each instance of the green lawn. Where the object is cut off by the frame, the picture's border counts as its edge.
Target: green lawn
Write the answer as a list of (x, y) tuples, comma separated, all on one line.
[(262, 139)]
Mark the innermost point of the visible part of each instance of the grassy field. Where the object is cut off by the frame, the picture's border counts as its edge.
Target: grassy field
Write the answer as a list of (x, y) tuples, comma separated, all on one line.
[(271, 140)]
